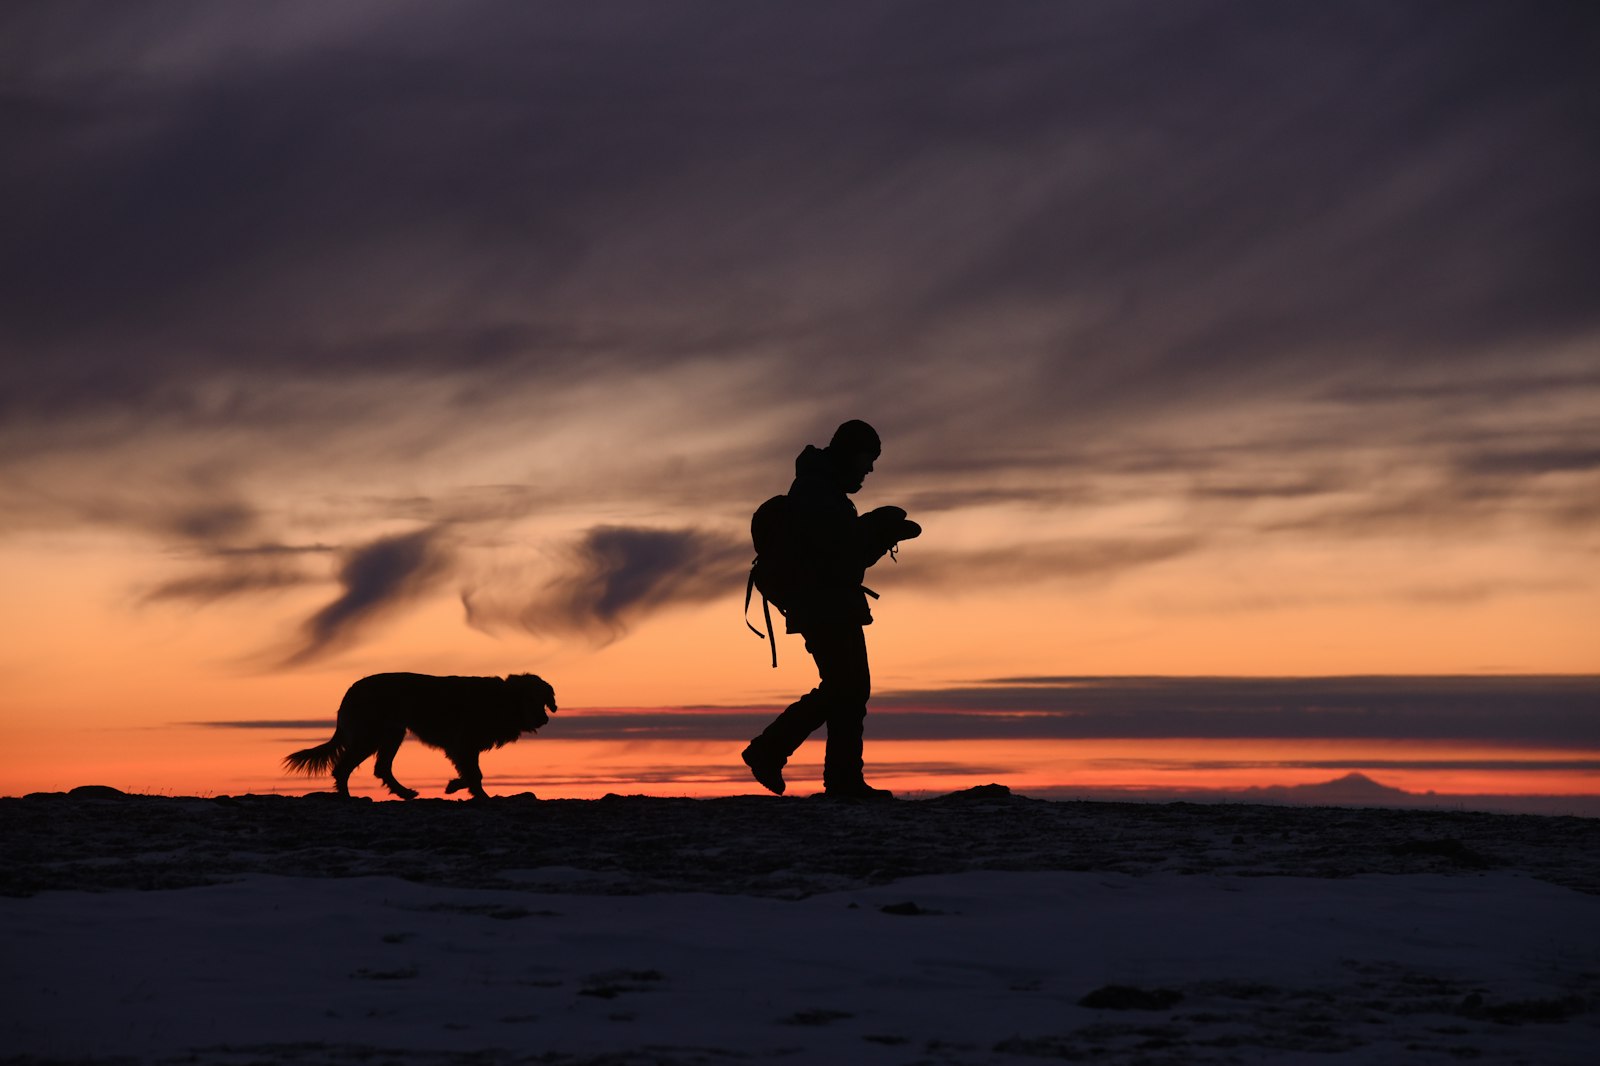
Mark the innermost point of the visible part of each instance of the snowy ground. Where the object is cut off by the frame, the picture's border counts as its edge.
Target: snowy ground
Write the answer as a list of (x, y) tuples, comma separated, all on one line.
[(976, 928)]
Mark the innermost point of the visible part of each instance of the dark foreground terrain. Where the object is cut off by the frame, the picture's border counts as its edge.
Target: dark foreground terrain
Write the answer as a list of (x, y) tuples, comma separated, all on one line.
[(99, 839), (974, 929)]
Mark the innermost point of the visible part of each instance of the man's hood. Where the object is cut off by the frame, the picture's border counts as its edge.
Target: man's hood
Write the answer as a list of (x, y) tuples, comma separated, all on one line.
[(813, 462)]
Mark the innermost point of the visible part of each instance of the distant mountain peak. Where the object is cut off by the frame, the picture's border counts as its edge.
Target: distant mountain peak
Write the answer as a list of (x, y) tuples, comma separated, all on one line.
[(1352, 785), (1356, 777)]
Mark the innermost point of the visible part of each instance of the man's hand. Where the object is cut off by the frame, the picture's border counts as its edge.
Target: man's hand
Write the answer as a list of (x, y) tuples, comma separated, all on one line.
[(888, 526)]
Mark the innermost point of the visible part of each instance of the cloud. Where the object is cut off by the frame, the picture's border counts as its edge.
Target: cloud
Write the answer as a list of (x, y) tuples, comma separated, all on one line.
[(239, 571), (1513, 711), (1533, 462), (214, 521), (1079, 559), (1443, 763), (1298, 274), (615, 575), (1154, 208), (377, 578), (297, 724), (248, 579), (1508, 712)]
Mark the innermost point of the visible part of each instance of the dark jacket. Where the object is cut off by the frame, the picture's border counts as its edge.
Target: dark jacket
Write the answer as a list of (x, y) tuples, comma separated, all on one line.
[(836, 545)]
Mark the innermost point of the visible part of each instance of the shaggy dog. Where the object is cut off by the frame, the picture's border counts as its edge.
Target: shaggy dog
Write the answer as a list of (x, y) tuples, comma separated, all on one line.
[(463, 716)]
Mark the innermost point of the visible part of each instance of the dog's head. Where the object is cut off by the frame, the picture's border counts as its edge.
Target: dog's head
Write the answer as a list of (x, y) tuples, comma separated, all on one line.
[(534, 694)]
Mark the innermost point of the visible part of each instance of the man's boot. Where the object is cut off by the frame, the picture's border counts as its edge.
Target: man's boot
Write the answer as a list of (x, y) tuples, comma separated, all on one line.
[(842, 766), (842, 777), (856, 792), (765, 766)]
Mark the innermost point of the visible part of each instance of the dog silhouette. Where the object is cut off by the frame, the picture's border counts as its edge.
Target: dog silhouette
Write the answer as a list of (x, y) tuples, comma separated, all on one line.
[(461, 716)]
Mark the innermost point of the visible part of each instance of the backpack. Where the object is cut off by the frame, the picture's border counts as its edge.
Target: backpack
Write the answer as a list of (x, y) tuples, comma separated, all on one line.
[(774, 572), (777, 572)]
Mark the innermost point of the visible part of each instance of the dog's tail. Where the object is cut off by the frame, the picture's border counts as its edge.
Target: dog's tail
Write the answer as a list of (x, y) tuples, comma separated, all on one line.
[(317, 760)]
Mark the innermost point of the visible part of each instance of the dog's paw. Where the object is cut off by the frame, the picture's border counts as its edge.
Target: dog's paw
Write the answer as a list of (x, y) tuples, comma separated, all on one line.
[(455, 785)]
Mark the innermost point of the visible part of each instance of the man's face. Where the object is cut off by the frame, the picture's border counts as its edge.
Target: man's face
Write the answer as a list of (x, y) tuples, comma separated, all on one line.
[(856, 467)]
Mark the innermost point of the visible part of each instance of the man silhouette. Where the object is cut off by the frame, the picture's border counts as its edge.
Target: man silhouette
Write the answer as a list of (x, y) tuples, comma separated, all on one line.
[(832, 549)]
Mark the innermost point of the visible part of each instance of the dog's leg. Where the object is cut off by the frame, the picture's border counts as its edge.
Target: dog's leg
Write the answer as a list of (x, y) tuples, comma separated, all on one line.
[(471, 779), (351, 758), (383, 769)]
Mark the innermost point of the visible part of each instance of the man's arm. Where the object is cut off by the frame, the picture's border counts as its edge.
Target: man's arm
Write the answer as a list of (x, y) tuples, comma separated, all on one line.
[(881, 529)]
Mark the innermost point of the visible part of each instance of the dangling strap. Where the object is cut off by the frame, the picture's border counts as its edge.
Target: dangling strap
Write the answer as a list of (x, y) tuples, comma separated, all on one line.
[(766, 613), (749, 588), (772, 634)]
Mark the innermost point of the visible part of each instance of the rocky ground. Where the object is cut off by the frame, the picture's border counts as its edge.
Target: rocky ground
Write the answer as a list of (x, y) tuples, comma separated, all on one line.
[(96, 838), (974, 928)]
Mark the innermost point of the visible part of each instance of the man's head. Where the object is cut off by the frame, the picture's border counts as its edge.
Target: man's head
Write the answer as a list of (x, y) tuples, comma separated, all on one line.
[(854, 448)]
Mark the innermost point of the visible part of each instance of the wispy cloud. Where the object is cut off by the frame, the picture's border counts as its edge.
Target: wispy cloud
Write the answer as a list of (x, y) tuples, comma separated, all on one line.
[(375, 578), (227, 583), (227, 572), (614, 575), (1030, 563)]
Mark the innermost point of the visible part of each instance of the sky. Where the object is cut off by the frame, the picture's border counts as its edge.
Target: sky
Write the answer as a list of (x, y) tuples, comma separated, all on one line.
[(1206, 339)]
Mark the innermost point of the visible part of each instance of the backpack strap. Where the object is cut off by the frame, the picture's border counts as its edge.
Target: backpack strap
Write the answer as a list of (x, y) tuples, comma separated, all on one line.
[(772, 634), (749, 590), (766, 613)]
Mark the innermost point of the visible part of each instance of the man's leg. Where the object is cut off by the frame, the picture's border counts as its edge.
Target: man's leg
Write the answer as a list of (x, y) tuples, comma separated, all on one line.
[(841, 655), (839, 700), (768, 753)]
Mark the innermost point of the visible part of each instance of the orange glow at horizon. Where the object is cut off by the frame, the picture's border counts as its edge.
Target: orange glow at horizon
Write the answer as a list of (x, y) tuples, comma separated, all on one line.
[(99, 686), (203, 761)]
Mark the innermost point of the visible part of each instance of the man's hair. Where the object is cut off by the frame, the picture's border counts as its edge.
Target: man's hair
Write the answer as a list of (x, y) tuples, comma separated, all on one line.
[(855, 436)]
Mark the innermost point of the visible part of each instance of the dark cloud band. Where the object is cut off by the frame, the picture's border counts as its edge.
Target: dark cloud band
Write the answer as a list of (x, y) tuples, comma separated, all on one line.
[(1507, 712)]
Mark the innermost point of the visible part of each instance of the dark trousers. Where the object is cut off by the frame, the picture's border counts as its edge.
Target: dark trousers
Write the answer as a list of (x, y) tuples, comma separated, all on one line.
[(839, 701)]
